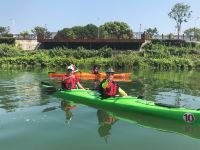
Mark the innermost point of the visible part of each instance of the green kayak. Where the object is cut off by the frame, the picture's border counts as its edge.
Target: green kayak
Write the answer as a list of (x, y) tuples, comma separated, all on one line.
[(130, 104)]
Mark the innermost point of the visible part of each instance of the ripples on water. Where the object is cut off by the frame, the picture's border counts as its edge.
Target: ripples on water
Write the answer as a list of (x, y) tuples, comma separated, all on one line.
[(22, 90)]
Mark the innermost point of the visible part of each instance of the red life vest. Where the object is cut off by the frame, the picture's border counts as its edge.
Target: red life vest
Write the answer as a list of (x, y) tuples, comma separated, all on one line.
[(69, 84), (95, 70), (110, 90)]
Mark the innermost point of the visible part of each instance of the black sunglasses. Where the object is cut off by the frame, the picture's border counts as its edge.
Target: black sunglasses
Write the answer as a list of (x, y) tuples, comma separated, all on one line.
[(110, 73)]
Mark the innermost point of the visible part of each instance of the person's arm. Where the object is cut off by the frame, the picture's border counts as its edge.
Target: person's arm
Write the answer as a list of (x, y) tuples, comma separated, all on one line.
[(80, 86), (78, 83), (105, 84), (64, 78), (122, 92)]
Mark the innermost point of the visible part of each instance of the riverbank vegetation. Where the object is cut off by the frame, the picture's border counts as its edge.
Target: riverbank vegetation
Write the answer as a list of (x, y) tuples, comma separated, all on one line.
[(155, 54)]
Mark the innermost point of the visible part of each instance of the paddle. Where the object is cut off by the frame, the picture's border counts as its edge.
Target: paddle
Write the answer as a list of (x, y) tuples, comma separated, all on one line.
[(51, 72), (48, 87), (63, 73)]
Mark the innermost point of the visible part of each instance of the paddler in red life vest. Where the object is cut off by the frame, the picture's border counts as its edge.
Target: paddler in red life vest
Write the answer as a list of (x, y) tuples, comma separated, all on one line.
[(108, 87), (70, 81), (95, 69)]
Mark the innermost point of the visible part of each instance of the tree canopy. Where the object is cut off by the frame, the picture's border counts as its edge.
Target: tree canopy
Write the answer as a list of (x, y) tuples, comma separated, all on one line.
[(66, 33), (116, 30), (194, 32), (24, 34), (38, 30), (180, 13), (119, 30), (4, 31), (151, 31)]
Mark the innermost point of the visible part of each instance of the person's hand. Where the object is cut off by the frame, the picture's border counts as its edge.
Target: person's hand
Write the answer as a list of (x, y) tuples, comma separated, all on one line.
[(125, 95), (71, 76), (108, 80)]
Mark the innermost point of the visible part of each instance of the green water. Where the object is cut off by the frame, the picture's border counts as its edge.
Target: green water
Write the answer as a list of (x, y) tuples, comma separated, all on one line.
[(33, 119)]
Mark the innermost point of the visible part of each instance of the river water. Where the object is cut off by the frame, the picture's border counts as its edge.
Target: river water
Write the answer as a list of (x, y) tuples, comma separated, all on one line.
[(31, 118)]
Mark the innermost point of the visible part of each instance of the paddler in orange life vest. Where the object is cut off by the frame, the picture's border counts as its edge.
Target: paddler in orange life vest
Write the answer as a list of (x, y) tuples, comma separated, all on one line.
[(70, 81), (108, 87)]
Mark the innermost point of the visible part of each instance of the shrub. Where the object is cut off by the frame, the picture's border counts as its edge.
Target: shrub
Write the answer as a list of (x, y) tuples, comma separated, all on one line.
[(7, 40)]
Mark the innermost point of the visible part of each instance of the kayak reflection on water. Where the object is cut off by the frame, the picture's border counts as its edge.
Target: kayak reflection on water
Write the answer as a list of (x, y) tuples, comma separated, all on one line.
[(158, 123), (106, 118), (67, 106), (105, 121)]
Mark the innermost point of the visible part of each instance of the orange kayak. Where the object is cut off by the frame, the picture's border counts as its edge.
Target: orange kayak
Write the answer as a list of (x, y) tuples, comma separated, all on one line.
[(89, 76)]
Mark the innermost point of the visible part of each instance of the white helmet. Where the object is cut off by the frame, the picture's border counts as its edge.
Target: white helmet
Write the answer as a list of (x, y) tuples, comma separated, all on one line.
[(70, 68)]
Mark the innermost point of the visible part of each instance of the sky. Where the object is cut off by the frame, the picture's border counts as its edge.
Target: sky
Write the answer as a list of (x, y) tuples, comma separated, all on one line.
[(24, 15)]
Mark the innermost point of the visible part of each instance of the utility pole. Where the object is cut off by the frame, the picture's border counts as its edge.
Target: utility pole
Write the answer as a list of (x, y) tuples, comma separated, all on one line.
[(140, 28), (12, 25), (195, 24), (98, 28), (45, 32)]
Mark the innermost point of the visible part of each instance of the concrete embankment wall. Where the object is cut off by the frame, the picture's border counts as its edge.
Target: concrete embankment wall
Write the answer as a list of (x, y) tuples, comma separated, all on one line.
[(27, 44)]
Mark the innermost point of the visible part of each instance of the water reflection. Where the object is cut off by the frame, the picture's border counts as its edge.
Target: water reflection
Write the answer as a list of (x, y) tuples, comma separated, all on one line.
[(158, 123), (20, 89), (105, 121), (67, 107), (108, 118), (47, 109)]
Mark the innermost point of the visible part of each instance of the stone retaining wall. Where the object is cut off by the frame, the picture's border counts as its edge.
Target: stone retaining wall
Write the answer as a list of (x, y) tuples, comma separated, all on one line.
[(27, 44)]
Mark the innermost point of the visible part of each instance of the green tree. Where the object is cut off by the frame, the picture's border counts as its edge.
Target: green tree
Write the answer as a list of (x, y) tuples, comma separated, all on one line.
[(24, 34), (79, 32), (91, 31), (151, 31), (66, 33), (41, 31), (193, 31), (4, 31), (180, 13), (119, 30)]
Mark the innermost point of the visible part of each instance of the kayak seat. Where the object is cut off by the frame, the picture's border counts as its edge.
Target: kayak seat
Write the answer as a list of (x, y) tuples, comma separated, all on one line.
[(166, 105)]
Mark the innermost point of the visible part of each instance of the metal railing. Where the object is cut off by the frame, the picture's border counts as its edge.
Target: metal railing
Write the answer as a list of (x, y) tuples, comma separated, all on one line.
[(26, 37), (136, 36), (187, 38), (20, 37)]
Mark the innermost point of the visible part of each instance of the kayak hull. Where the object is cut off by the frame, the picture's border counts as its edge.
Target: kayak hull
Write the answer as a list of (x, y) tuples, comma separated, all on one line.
[(130, 104)]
